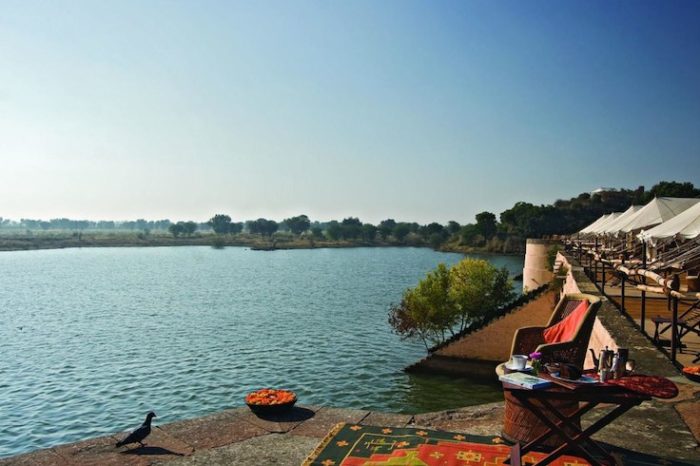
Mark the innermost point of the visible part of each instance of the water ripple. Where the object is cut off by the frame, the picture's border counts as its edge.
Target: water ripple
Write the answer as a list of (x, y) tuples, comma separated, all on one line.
[(108, 334)]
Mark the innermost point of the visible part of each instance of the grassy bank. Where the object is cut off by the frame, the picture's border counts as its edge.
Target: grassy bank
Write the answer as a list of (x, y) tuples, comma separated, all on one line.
[(31, 240)]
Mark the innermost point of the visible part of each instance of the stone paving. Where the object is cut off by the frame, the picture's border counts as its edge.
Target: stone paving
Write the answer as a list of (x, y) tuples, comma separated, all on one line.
[(668, 428)]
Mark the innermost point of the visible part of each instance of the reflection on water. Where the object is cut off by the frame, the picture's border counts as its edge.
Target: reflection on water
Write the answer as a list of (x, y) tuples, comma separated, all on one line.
[(92, 339)]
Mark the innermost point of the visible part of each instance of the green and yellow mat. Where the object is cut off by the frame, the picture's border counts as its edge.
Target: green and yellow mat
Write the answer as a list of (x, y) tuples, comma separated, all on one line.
[(360, 445)]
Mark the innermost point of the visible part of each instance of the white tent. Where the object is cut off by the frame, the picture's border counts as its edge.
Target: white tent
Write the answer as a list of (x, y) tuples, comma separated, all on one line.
[(614, 226), (595, 224), (596, 230), (685, 225), (656, 211)]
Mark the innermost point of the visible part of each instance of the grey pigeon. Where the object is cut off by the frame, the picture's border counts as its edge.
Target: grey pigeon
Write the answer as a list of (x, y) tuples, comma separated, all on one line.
[(141, 433)]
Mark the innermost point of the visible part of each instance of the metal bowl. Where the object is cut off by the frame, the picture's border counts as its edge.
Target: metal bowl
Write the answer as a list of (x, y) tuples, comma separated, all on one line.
[(693, 377), (272, 409)]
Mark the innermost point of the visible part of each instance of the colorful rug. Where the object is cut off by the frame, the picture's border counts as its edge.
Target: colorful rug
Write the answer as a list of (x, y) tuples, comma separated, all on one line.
[(357, 445)]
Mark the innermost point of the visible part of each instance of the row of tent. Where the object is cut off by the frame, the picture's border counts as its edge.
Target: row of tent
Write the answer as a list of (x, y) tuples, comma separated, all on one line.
[(662, 218)]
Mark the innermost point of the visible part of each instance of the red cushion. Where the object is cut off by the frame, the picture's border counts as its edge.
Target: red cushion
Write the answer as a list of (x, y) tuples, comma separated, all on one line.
[(565, 330)]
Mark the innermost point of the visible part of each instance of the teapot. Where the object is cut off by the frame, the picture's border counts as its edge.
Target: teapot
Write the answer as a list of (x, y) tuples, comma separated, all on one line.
[(605, 360)]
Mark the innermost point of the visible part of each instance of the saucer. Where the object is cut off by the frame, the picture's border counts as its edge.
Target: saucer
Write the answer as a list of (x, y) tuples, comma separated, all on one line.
[(528, 367)]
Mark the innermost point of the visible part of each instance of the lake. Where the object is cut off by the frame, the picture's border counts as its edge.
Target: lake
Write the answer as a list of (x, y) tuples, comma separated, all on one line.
[(94, 338)]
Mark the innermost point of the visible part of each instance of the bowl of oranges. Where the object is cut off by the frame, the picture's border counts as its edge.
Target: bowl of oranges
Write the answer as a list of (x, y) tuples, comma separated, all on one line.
[(270, 401), (692, 372)]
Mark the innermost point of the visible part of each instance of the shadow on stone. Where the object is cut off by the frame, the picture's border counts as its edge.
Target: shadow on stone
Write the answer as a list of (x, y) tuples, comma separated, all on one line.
[(296, 414), (148, 450)]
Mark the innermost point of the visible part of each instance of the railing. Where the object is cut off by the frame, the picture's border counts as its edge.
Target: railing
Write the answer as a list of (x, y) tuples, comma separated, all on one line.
[(639, 274)]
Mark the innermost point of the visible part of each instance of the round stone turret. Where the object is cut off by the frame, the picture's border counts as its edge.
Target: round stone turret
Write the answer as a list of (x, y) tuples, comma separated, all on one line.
[(535, 272)]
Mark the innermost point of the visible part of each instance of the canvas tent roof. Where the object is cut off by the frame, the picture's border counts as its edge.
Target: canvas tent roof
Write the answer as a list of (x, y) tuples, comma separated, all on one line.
[(658, 210), (595, 224), (613, 227), (596, 229), (685, 225)]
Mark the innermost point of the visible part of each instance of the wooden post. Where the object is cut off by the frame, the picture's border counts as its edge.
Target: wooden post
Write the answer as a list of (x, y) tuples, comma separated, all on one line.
[(644, 293), (623, 276), (602, 282), (595, 263), (674, 330)]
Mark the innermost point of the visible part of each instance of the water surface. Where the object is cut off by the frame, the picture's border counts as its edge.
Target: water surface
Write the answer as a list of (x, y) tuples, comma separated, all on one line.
[(94, 338)]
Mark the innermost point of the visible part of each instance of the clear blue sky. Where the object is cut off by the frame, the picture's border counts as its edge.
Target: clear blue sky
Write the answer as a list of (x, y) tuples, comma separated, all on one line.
[(422, 111)]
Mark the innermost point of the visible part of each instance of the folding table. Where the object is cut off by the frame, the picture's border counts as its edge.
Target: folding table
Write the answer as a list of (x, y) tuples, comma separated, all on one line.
[(576, 440)]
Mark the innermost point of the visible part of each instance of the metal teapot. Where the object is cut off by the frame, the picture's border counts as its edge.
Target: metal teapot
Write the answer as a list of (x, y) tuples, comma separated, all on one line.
[(605, 361)]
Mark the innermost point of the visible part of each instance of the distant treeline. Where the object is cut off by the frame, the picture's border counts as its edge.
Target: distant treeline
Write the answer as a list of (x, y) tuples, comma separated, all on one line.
[(523, 220)]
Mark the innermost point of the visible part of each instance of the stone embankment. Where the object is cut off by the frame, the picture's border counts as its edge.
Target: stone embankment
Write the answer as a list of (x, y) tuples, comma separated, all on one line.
[(238, 437)]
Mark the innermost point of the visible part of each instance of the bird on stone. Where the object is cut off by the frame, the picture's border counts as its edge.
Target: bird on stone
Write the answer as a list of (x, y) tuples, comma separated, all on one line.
[(139, 434)]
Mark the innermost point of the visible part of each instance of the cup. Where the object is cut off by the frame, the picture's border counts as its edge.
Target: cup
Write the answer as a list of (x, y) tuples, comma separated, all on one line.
[(518, 362)]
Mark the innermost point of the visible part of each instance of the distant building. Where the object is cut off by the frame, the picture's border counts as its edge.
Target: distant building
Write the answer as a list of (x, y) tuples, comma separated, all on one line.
[(603, 190)]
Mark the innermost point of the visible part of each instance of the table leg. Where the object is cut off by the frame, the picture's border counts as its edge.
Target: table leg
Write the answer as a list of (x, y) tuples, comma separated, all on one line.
[(515, 455), (582, 437), (579, 412), (569, 441)]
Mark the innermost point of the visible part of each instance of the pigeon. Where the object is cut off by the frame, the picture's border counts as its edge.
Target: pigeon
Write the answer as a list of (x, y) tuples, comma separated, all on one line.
[(141, 433)]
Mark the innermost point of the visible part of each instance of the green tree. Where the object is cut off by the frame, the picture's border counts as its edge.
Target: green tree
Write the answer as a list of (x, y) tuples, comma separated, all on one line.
[(298, 224), (672, 189), (386, 228), (453, 227), (188, 228), (263, 227), (486, 223), (334, 231), (235, 227), (369, 232), (470, 236), (220, 223), (351, 228), (176, 229), (426, 311), (401, 230), (478, 289), (450, 299)]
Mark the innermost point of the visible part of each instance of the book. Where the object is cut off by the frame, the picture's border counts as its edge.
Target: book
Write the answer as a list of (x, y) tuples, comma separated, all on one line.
[(524, 380)]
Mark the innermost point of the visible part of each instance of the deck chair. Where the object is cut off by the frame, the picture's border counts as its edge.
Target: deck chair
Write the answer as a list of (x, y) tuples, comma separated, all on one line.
[(529, 339), (687, 322)]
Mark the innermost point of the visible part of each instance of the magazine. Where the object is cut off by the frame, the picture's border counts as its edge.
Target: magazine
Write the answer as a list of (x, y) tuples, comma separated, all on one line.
[(525, 380)]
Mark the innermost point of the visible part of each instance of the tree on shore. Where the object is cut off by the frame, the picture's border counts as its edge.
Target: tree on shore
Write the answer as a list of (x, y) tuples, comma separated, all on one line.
[(449, 300), (176, 229), (220, 223), (188, 228), (386, 228), (298, 224), (263, 227)]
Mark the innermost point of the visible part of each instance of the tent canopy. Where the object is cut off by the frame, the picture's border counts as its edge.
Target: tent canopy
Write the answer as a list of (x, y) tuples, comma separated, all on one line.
[(596, 230), (595, 224), (685, 225), (657, 211), (614, 226)]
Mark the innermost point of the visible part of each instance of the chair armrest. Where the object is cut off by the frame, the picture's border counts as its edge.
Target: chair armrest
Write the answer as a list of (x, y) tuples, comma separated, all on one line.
[(526, 339)]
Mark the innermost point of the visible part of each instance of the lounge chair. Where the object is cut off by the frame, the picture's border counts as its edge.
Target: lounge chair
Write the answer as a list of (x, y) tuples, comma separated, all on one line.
[(572, 350), (687, 322)]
